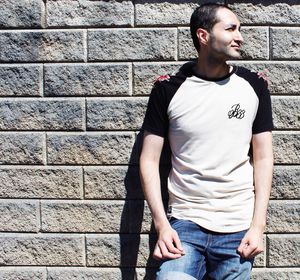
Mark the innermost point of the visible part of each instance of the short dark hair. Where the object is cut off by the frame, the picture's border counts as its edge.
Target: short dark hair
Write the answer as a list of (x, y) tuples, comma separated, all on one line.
[(204, 16)]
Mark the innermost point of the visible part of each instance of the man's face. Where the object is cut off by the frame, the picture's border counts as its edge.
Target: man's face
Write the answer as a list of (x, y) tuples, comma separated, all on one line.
[(225, 39)]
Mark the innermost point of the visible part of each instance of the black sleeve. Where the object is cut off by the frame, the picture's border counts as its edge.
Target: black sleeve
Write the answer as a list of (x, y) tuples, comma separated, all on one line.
[(263, 120), (156, 118)]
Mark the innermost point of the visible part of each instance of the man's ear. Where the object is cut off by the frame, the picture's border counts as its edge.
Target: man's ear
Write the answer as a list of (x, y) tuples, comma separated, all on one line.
[(202, 35)]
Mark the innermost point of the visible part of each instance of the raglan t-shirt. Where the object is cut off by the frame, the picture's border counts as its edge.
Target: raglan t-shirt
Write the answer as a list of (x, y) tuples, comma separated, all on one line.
[(209, 125)]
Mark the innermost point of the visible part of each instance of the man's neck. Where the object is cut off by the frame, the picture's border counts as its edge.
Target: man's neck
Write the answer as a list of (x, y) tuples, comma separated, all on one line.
[(211, 69)]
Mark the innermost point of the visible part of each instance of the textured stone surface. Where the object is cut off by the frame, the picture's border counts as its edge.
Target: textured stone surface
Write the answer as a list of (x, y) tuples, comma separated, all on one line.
[(87, 79), (275, 274), (39, 182), (163, 12), (31, 46), (283, 76), (19, 215), (131, 44), (21, 148), (89, 148), (284, 250), (85, 273), (256, 43), (286, 182), (286, 112), (45, 249), (25, 13), (283, 216), (266, 12), (119, 250), (115, 113), (44, 114), (285, 42), (286, 147), (95, 216), (20, 80), (145, 75), (146, 273), (116, 182), (23, 273), (186, 49), (89, 13), (260, 259)]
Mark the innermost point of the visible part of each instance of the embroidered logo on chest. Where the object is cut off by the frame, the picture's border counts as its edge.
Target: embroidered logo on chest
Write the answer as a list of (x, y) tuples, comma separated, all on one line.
[(236, 112)]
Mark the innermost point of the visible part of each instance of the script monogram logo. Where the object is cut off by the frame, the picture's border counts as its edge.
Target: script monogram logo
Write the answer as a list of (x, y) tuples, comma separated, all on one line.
[(236, 112)]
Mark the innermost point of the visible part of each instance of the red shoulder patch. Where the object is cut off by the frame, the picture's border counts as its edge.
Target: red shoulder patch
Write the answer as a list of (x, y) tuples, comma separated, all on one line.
[(262, 75), (163, 78)]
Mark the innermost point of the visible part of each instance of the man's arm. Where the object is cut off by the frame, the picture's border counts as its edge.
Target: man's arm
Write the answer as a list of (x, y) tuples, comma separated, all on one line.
[(252, 243), (168, 244)]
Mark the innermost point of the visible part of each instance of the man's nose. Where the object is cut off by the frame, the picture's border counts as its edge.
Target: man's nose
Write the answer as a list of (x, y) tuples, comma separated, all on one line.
[(238, 37)]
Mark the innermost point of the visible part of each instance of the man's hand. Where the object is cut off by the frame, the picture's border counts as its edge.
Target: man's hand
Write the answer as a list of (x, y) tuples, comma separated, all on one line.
[(252, 243), (168, 245)]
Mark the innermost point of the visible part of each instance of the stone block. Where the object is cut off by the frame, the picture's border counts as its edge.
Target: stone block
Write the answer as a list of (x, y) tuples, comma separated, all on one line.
[(266, 12), (87, 79), (285, 42), (256, 43), (19, 215), (284, 250), (115, 113), (42, 114), (89, 13), (112, 182), (20, 14), (21, 80), (88, 273), (275, 274), (125, 250), (286, 147), (146, 273), (41, 250), (286, 112), (286, 182), (21, 148), (23, 273), (283, 216), (260, 259), (283, 76), (163, 12), (41, 182), (89, 148), (41, 46), (186, 49), (131, 44), (145, 75), (95, 216)]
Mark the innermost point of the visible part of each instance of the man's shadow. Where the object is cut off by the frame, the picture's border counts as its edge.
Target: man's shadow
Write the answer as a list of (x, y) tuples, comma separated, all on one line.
[(136, 224)]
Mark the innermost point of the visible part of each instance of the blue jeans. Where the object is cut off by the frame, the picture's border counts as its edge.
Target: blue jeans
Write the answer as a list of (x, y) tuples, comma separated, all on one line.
[(208, 255)]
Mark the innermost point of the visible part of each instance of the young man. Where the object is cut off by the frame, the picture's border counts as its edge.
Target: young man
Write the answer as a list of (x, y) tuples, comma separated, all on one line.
[(211, 114)]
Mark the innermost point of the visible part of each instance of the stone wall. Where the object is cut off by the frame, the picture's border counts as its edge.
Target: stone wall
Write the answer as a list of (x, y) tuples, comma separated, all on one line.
[(74, 80)]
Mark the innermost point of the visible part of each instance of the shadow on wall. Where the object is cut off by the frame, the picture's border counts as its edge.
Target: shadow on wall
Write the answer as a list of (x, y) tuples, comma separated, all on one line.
[(135, 248)]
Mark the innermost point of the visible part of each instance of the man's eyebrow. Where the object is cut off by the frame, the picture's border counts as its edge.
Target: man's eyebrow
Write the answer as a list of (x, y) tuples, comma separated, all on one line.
[(233, 25)]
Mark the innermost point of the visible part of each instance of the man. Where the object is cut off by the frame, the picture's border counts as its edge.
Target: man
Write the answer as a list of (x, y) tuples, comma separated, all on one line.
[(211, 113)]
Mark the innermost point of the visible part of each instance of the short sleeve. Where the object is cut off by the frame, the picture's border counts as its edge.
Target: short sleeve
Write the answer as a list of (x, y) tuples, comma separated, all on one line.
[(263, 120), (156, 118)]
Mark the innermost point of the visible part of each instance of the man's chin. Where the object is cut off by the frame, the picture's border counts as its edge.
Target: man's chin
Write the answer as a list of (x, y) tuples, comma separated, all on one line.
[(234, 55)]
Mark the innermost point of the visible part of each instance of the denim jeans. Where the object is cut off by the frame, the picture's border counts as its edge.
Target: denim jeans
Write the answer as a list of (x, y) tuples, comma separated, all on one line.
[(208, 255)]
